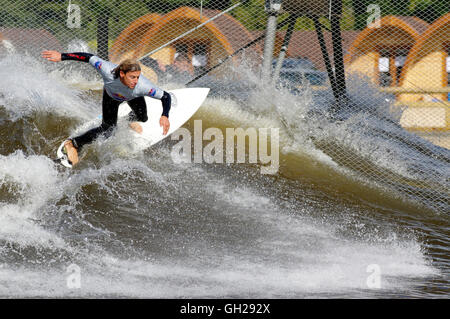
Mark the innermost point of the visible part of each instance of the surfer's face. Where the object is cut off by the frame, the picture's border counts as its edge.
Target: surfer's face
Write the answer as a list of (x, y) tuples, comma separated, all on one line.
[(130, 78)]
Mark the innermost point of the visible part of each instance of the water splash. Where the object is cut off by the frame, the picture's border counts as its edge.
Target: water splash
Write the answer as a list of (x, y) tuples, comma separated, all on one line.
[(26, 87), (144, 226)]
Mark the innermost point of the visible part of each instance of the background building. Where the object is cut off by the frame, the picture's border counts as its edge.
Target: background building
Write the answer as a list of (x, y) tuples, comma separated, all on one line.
[(428, 63), (380, 50)]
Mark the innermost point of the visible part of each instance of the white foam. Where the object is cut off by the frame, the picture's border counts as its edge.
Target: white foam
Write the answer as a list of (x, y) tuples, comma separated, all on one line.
[(26, 86), (333, 267), (291, 254), (34, 181)]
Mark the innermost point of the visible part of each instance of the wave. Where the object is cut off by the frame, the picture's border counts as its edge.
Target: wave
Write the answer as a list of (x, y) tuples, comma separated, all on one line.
[(367, 151), (217, 238), (143, 225)]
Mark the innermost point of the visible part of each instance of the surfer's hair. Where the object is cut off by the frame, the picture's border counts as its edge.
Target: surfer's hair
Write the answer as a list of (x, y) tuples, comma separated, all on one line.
[(128, 65)]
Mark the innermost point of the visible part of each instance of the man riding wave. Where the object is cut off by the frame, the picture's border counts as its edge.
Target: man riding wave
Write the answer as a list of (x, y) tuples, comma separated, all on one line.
[(122, 82)]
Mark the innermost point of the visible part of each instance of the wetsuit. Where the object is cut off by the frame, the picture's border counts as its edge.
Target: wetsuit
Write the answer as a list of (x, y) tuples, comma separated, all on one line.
[(114, 93)]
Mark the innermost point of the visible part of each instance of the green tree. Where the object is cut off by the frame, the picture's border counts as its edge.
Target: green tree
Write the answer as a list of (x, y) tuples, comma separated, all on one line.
[(251, 14), (428, 10)]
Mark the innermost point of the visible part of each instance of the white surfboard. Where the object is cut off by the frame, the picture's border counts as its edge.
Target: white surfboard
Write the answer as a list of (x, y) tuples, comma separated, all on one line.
[(185, 102)]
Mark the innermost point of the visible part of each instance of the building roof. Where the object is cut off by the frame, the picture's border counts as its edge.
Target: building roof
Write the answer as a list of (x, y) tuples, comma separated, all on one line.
[(228, 31), (419, 25), (411, 28), (304, 44), (35, 39), (420, 48), (234, 31), (130, 36)]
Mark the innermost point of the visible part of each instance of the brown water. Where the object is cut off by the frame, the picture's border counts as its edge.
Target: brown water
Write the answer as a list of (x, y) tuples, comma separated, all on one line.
[(349, 197)]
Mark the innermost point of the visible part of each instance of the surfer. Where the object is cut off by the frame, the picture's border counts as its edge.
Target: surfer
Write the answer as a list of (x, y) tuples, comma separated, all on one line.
[(122, 82)]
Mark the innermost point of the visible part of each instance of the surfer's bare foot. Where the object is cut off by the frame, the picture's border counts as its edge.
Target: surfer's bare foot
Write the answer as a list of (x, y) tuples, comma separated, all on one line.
[(72, 153), (136, 127)]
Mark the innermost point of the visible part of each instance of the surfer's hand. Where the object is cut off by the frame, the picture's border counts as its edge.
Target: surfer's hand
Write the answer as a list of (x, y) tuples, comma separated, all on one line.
[(53, 56), (164, 122)]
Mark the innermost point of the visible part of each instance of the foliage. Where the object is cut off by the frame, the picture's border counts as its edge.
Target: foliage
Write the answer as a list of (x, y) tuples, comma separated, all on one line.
[(427, 10), (52, 14)]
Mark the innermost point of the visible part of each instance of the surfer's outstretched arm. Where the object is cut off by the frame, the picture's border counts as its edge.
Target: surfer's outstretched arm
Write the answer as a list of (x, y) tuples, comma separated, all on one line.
[(56, 56), (77, 56)]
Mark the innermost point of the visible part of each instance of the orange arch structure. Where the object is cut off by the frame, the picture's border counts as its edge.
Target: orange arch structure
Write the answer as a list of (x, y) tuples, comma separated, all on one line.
[(218, 38), (425, 67), (129, 39), (387, 37)]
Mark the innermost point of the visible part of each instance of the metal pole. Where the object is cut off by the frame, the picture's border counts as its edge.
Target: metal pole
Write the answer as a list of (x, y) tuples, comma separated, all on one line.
[(326, 57), (188, 32), (338, 56), (287, 39), (269, 46)]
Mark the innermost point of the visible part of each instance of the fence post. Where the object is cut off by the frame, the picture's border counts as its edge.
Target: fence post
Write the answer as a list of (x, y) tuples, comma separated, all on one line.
[(284, 48), (103, 33), (338, 57), (325, 55), (272, 7)]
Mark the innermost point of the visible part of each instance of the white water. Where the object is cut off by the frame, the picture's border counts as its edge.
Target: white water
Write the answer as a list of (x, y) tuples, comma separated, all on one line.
[(147, 227), (285, 252)]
